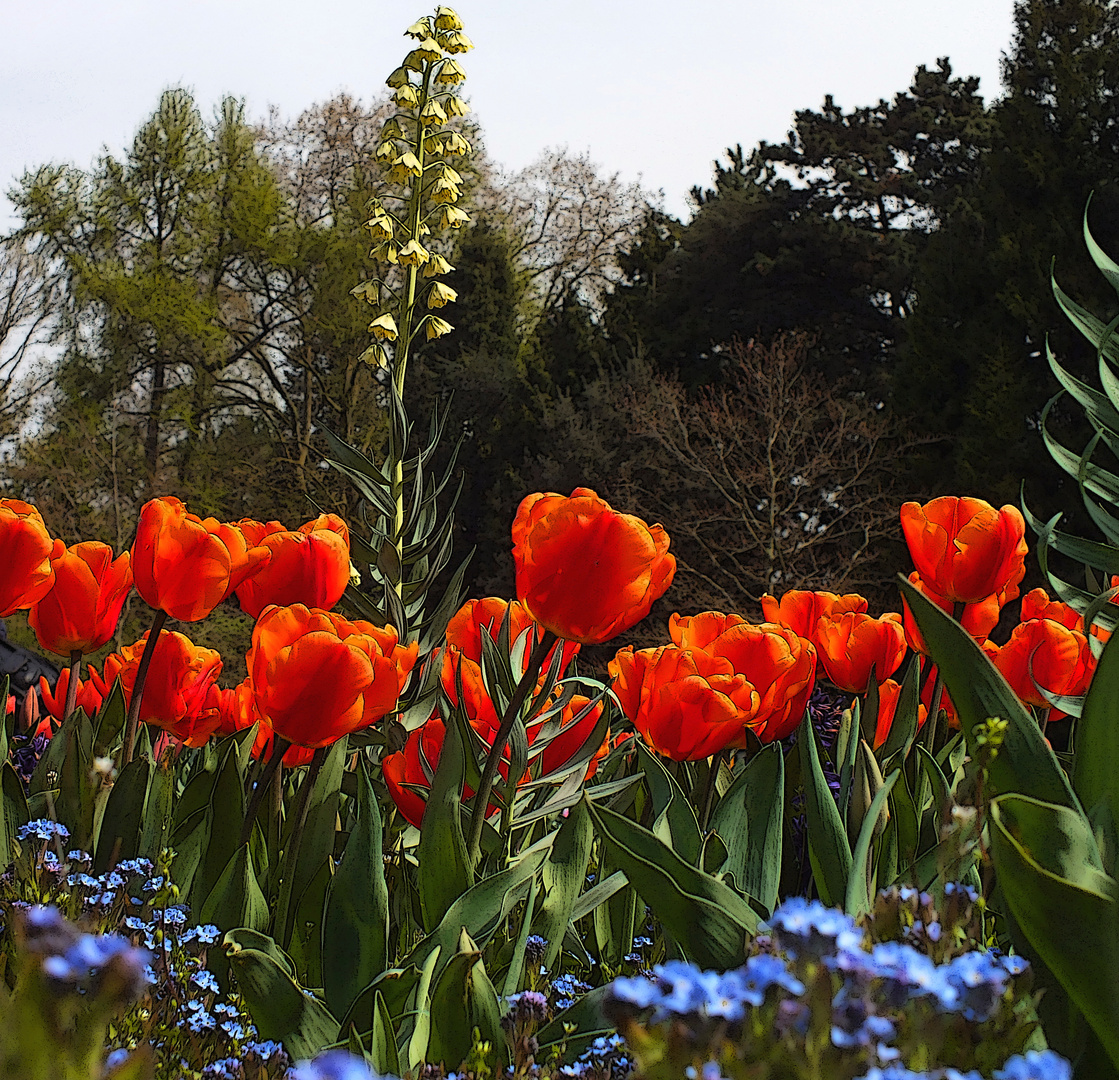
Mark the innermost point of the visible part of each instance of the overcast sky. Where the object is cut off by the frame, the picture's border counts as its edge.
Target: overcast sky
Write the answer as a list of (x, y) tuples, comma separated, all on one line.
[(651, 92)]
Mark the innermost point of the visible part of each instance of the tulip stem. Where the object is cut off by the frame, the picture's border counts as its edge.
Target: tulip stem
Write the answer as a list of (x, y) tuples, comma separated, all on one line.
[(485, 785), (279, 748), (709, 789), (138, 687), (72, 685)]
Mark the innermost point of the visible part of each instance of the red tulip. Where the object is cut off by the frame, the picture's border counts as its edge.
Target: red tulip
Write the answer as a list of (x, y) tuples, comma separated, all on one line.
[(54, 701), (1037, 605), (851, 644), (1043, 653), (186, 565), (585, 571), (81, 611), (236, 709), (27, 554), (978, 619), (317, 676), (310, 566), (800, 611), (888, 694), (964, 549)]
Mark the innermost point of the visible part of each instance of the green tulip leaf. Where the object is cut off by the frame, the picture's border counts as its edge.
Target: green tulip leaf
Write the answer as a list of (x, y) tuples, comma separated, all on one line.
[(225, 812), (13, 810), (674, 820), (563, 875), (859, 897), (577, 1027), (828, 849), (394, 987), (382, 1048), (463, 999), (708, 920), (1095, 772), (123, 821)]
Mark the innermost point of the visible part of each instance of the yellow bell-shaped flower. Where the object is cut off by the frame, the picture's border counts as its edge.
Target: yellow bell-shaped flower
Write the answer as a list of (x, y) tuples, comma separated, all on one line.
[(432, 113), (383, 328), (369, 291), (380, 226), (454, 106), (405, 168), (437, 265), (453, 218), (437, 327), (447, 19), (454, 143), (439, 295), (455, 41), (443, 191), (421, 28), (450, 73), (413, 253), (405, 97), (398, 78)]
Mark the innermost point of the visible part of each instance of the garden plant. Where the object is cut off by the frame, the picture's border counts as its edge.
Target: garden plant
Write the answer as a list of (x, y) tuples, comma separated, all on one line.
[(424, 837)]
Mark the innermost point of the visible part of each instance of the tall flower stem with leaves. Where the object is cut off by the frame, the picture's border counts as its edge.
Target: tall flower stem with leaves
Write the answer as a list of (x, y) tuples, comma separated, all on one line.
[(417, 143)]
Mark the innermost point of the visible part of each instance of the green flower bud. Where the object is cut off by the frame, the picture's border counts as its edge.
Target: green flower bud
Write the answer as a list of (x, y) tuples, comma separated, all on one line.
[(368, 291), (439, 295), (455, 41), (437, 265), (437, 327), (432, 113), (453, 218), (456, 107), (447, 19), (398, 78), (450, 73), (413, 253), (405, 97), (383, 328)]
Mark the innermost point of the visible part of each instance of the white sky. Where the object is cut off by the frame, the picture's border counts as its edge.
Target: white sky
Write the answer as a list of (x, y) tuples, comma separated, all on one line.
[(652, 93)]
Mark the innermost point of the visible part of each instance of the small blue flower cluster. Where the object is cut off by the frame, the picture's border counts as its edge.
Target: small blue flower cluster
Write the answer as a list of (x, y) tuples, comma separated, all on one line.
[(1033, 1065), (886, 998), (333, 1065)]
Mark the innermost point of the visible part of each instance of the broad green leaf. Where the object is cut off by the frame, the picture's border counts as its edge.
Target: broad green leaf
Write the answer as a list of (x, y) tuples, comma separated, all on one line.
[(394, 987), (444, 872), (903, 730), (860, 894), (1066, 906), (1095, 771), (225, 813), (236, 900), (598, 894), (356, 926), (123, 820), (563, 875), (463, 999), (674, 820), (828, 849), (386, 1059), (708, 920), (13, 806), (419, 1037), (577, 1027), (517, 961), (750, 819), (281, 1009), (155, 833), (109, 725), (1025, 763)]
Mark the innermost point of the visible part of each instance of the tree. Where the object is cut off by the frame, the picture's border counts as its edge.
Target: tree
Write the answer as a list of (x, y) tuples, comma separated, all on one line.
[(973, 364)]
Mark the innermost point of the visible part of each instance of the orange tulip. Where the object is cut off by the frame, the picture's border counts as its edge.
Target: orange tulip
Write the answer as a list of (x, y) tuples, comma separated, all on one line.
[(570, 737), (54, 701), (414, 766), (1044, 653), (850, 644), (310, 566), (1037, 605), (27, 554), (800, 611), (186, 565), (964, 549), (177, 687), (317, 676), (888, 694), (82, 608), (236, 709), (978, 619), (585, 571)]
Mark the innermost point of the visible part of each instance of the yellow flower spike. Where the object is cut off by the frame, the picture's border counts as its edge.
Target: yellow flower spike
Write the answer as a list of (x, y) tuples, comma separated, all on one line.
[(413, 253), (405, 97), (450, 74), (368, 291), (392, 129), (455, 41), (398, 78), (437, 265), (432, 113), (437, 327), (453, 218), (454, 143), (427, 52), (405, 168), (443, 191), (454, 106), (447, 19), (383, 328), (421, 28), (439, 295), (380, 227)]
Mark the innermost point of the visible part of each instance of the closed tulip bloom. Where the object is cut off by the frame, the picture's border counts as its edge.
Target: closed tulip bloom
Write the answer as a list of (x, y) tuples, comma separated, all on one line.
[(54, 701), (888, 695), (853, 643), (178, 684), (27, 553), (978, 619), (1037, 605), (685, 703), (317, 676), (414, 766), (186, 565), (964, 549), (1060, 659), (310, 566), (585, 571), (81, 610), (800, 610)]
